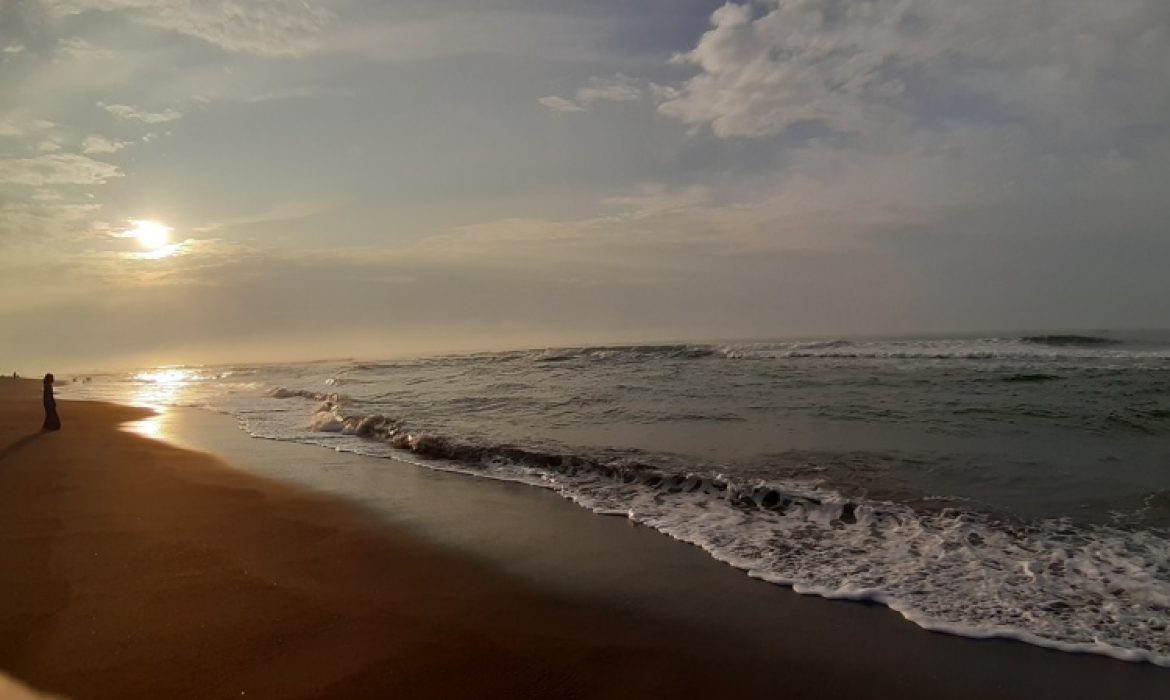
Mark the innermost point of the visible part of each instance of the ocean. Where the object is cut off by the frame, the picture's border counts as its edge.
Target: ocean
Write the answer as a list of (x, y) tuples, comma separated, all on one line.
[(1014, 486)]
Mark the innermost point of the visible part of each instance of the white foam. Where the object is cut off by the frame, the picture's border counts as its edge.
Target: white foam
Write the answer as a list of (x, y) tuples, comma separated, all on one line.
[(1093, 590)]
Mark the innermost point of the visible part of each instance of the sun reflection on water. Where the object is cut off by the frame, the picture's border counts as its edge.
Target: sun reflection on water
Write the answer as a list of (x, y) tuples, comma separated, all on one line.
[(159, 389)]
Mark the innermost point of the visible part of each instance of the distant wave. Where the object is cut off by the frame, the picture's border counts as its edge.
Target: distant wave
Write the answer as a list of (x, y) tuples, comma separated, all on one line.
[(1048, 347), (623, 352), (1032, 377), (978, 349), (1061, 341), (1042, 347), (1093, 589)]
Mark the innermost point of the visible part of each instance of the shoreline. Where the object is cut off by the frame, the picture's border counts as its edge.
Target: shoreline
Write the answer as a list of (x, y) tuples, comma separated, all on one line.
[(658, 616), (234, 450)]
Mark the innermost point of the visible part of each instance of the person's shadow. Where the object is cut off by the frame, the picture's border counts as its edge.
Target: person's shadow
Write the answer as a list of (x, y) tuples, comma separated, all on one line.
[(19, 444)]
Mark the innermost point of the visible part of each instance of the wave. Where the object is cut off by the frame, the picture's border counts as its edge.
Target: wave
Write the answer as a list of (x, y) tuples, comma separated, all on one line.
[(1047, 347), (623, 352), (1041, 347), (1068, 340), (331, 398), (1032, 377), (1099, 589), (1037, 348)]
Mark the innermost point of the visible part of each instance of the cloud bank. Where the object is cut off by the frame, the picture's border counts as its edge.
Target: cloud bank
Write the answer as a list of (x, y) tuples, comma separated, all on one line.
[(1079, 67)]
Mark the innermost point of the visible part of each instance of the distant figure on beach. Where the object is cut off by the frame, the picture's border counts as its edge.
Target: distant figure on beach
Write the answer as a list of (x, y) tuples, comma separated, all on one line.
[(52, 420)]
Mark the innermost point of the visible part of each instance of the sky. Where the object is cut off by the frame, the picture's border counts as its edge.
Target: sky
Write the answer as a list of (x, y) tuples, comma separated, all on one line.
[(371, 179)]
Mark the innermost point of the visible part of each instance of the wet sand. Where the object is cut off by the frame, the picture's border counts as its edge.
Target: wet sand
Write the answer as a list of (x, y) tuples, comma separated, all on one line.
[(135, 569), (130, 567)]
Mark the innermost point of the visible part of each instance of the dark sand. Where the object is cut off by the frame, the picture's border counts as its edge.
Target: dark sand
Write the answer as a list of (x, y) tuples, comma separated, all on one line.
[(132, 568)]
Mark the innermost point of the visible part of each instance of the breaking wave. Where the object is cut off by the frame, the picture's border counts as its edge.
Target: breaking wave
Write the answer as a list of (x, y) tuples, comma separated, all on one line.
[(623, 352), (334, 399), (1098, 589), (1040, 347)]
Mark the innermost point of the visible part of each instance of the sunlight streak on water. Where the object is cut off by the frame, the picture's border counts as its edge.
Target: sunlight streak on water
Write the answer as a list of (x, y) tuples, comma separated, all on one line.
[(159, 389)]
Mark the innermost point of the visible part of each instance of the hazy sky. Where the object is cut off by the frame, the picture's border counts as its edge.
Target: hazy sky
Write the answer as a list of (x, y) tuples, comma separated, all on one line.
[(361, 177)]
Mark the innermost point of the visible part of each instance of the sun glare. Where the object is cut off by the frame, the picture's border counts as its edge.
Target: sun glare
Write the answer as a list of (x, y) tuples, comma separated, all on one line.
[(159, 389), (151, 235)]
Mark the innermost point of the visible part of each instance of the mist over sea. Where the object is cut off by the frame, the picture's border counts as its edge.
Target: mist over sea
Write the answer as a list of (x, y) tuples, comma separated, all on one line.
[(1012, 486)]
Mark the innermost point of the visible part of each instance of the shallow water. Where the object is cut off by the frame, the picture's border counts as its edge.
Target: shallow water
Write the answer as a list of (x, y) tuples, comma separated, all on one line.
[(1007, 486)]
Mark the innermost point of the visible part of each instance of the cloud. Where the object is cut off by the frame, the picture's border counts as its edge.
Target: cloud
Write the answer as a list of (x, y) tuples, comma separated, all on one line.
[(128, 113), (94, 144), (918, 113), (49, 145), (17, 126), (77, 49), (56, 169), (619, 88), (657, 226), (850, 65), (261, 27), (41, 219), (560, 104)]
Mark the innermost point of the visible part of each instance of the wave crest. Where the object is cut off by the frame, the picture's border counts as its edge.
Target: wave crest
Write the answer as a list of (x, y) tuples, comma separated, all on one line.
[(331, 398)]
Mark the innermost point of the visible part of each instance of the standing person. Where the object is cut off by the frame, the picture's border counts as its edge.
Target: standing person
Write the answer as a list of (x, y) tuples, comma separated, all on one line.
[(52, 420)]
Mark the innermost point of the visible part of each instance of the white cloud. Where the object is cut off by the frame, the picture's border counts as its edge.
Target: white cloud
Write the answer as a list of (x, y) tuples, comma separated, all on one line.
[(619, 88), (17, 126), (915, 113), (77, 50), (56, 169), (49, 145), (560, 104), (261, 27), (128, 113), (94, 144), (849, 65)]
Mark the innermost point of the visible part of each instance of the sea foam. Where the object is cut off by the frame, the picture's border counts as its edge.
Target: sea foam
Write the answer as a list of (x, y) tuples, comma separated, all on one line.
[(1049, 582)]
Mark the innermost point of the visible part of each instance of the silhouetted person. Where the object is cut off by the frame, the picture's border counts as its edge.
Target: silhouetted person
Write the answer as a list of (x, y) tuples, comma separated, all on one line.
[(52, 420)]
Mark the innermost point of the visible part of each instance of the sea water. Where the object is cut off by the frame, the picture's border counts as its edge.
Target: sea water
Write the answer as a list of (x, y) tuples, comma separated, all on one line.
[(1014, 486)]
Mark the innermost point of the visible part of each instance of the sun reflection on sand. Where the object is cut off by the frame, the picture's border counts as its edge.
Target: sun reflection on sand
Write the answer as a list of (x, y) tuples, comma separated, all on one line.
[(159, 389)]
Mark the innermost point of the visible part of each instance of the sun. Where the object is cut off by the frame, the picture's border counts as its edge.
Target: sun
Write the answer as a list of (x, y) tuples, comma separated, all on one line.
[(151, 235)]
